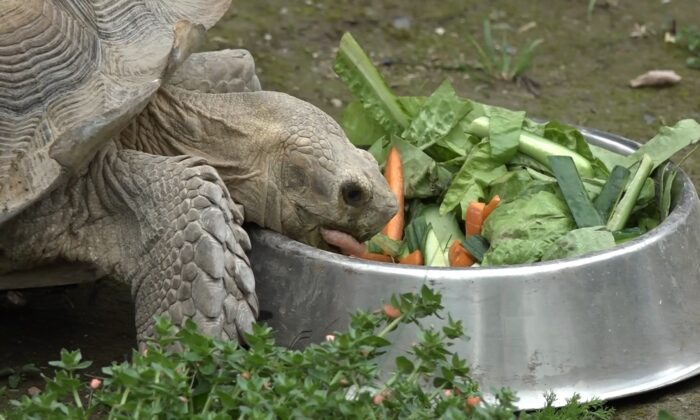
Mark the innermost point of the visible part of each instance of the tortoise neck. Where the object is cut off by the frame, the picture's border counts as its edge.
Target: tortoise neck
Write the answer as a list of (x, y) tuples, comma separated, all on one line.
[(233, 132)]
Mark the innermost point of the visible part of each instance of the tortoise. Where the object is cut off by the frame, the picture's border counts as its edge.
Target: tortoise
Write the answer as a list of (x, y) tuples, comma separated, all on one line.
[(123, 148)]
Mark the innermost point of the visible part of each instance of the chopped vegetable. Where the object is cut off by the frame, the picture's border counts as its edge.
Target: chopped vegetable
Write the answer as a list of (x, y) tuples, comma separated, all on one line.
[(476, 246), (623, 210), (393, 173), (667, 143), (373, 256), (550, 194), (536, 147), (458, 256), (579, 242), (355, 69), (611, 192), (474, 218), (574, 193), (434, 251), (414, 258), (491, 206)]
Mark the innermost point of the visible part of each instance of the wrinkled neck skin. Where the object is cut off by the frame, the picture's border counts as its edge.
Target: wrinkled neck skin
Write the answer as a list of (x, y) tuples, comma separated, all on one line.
[(234, 132)]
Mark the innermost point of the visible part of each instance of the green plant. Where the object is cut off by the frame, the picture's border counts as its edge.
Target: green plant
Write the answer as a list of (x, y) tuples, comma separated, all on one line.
[(689, 38), (16, 376), (210, 378), (502, 60)]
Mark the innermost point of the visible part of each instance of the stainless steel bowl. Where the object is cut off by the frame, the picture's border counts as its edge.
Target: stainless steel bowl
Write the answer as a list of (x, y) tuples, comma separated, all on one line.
[(605, 325)]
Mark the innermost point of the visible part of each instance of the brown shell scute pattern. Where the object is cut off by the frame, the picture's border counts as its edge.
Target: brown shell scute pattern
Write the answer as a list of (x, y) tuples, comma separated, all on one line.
[(64, 64)]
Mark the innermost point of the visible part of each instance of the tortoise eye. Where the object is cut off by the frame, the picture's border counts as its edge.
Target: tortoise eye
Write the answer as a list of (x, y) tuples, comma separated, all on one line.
[(353, 194)]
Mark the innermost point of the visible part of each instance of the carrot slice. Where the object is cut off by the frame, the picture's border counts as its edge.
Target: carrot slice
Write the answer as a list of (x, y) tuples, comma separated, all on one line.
[(414, 258), (491, 206), (373, 256), (393, 172), (474, 218), (458, 256)]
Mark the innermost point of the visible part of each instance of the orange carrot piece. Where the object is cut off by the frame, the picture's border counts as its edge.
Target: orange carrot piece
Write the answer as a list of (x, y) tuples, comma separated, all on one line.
[(491, 206), (474, 218), (393, 172), (458, 256), (373, 256), (414, 258)]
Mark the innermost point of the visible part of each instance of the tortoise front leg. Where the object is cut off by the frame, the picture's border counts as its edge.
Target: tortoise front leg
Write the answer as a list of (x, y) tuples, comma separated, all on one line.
[(164, 225)]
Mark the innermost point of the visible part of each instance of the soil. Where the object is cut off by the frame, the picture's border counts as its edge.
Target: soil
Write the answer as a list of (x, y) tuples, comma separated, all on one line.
[(582, 68)]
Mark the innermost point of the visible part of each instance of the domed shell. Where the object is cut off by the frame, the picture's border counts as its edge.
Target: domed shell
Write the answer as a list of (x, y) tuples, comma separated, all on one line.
[(74, 72)]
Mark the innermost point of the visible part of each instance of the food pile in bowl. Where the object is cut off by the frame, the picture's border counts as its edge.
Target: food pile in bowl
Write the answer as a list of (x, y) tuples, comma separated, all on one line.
[(480, 185)]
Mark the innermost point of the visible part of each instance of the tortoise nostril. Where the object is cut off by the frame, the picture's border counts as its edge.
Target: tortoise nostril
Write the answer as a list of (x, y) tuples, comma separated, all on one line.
[(353, 194)]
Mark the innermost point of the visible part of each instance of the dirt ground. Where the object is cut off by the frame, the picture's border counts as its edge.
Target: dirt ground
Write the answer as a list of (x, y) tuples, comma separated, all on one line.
[(582, 67)]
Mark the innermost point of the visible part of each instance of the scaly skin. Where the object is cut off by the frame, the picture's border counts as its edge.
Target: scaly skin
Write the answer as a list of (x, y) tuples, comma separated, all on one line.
[(150, 213), (287, 162), (166, 226)]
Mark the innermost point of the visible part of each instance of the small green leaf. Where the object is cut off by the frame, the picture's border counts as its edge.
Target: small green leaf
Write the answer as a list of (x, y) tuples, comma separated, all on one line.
[(404, 365)]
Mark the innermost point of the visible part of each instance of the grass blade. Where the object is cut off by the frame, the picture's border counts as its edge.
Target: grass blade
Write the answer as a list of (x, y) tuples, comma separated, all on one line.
[(574, 193), (525, 57)]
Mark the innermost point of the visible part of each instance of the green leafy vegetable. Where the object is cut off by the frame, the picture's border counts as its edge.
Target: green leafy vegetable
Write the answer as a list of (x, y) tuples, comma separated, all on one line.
[(359, 126), (574, 193), (667, 143), (516, 183), (536, 147), (383, 244), (668, 177), (520, 230), (355, 69), (422, 176), (611, 192), (437, 117), (624, 235), (579, 242), (478, 171), (504, 133)]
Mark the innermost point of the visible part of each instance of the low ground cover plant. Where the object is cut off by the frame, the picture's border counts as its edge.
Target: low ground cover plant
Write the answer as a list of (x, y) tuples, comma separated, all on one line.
[(184, 374)]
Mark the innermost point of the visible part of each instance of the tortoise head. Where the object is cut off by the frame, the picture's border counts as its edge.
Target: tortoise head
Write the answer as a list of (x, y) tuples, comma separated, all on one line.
[(326, 182), (289, 164)]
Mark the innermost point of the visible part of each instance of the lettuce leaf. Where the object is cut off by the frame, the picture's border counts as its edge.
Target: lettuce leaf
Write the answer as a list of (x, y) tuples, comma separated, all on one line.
[(422, 176), (504, 133), (437, 117), (579, 242), (667, 143), (359, 126), (359, 74), (521, 230), (478, 171)]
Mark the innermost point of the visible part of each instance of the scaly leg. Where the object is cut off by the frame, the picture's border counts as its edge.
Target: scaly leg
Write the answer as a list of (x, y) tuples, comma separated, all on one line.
[(164, 225)]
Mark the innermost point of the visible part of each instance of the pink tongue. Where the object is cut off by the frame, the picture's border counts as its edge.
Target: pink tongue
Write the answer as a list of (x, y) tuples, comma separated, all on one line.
[(347, 244)]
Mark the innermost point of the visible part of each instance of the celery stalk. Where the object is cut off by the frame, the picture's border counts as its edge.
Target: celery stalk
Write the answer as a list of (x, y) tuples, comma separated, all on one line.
[(622, 211), (536, 147)]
